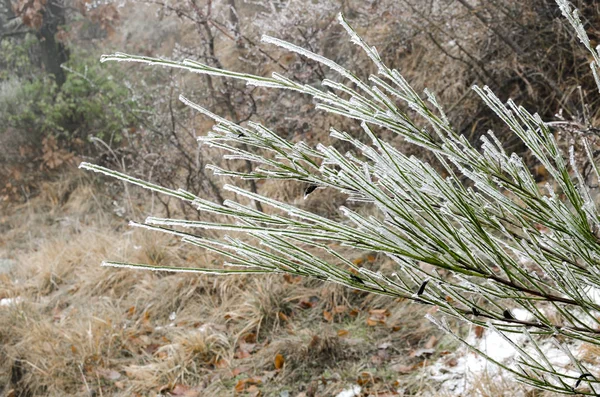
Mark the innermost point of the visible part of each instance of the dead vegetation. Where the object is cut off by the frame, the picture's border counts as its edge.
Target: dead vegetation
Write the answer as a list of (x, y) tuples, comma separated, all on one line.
[(69, 326)]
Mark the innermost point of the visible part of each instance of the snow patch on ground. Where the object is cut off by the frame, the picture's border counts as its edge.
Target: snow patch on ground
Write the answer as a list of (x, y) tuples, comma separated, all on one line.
[(467, 366), (10, 301), (351, 392)]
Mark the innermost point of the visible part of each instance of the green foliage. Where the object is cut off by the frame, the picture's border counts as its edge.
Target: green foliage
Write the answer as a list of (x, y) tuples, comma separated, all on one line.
[(89, 103), (16, 60)]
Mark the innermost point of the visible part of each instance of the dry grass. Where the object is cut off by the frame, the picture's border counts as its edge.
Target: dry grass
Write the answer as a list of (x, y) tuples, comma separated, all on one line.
[(80, 329), (77, 329)]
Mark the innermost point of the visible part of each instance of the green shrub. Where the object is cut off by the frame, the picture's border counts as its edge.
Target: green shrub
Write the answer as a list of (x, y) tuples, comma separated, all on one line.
[(84, 106)]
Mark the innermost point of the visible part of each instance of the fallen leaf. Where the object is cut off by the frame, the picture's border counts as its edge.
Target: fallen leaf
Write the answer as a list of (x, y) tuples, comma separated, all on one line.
[(342, 332), (358, 261), (151, 348), (244, 383), (479, 331), (279, 361), (253, 390), (292, 279), (304, 304), (377, 317), (283, 317), (379, 312), (431, 342), (451, 362), (339, 309), (249, 337), (236, 371), (314, 341), (367, 378), (221, 363), (184, 391), (327, 315), (242, 354), (364, 378)]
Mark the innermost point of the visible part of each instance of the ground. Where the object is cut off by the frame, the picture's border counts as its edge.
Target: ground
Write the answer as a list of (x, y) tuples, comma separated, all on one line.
[(71, 327)]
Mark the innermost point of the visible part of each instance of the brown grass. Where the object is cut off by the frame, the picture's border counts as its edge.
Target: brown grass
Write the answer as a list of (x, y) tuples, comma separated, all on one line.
[(80, 329)]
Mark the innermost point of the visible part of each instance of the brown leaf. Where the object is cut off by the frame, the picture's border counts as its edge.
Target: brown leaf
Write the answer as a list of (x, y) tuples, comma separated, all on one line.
[(244, 383), (358, 261), (184, 391), (152, 348), (431, 342), (253, 390), (236, 371), (339, 309), (292, 279), (242, 354), (342, 332), (131, 311), (314, 342), (249, 337), (376, 360), (380, 312), (377, 317), (367, 378), (283, 317), (327, 315), (304, 304), (279, 361), (479, 331), (221, 363)]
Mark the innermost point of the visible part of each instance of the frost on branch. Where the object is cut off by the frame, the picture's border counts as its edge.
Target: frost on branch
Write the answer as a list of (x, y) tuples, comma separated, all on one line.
[(507, 246)]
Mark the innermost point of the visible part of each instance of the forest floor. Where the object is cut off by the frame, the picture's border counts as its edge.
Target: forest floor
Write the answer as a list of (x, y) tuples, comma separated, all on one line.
[(71, 327)]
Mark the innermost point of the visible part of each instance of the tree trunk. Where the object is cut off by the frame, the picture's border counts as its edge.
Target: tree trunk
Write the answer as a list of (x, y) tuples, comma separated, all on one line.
[(53, 53)]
